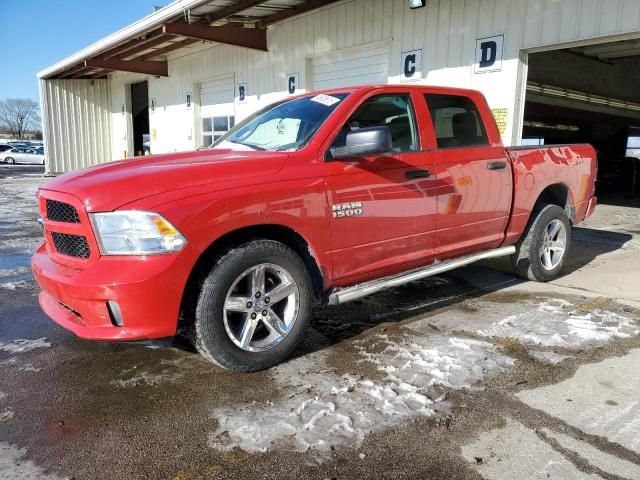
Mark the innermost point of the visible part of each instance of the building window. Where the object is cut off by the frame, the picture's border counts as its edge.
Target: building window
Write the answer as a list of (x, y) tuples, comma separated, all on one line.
[(456, 121), (215, 127)]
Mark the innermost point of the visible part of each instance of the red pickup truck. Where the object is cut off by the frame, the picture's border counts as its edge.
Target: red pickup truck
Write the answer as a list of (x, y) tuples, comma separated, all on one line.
[(324, 197)]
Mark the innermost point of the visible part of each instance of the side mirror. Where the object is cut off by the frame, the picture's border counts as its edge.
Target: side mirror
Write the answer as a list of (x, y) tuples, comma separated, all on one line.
[(364, 141)]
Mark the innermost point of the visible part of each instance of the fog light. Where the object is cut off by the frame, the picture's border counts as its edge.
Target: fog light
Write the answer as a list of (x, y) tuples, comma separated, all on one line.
[(114, 313)]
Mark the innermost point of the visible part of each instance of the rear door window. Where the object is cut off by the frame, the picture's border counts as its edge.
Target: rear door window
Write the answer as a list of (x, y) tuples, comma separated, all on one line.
[(456, 121)]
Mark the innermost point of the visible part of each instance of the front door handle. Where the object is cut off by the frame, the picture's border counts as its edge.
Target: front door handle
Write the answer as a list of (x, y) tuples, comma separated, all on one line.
[(412, 174), (496, 165)]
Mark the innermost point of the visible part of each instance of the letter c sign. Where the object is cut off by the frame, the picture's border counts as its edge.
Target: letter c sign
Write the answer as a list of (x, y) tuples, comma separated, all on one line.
[(411, 65), (489, 54), (292, 83)]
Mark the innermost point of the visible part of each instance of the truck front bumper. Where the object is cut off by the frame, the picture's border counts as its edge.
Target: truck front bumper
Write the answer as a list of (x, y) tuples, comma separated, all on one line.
[(147, 292)]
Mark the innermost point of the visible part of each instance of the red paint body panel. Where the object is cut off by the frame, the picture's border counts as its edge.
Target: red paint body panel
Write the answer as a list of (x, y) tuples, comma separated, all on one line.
[(460, 208)]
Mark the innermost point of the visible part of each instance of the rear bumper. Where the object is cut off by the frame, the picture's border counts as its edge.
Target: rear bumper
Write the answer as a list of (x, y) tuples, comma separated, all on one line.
[(148, 291)]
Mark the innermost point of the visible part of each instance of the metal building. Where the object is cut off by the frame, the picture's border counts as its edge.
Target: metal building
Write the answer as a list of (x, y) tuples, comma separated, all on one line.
[(552, 71)]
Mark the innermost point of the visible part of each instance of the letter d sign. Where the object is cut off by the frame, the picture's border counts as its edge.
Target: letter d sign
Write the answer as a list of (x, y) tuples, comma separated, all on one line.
[(489, 54)]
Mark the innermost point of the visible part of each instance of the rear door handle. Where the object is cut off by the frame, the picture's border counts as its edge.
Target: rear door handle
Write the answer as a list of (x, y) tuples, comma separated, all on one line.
[(412, 174), (496, 165)]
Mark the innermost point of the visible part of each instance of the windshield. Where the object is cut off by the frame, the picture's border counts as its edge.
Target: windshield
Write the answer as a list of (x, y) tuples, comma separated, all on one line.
[(286, 126)]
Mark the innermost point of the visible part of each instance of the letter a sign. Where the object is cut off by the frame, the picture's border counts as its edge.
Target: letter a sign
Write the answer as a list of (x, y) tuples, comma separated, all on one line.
[(489, 54)]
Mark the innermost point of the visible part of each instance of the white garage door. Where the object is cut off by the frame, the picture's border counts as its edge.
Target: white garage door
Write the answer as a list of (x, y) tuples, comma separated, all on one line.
[(217, 109), (353, 67)]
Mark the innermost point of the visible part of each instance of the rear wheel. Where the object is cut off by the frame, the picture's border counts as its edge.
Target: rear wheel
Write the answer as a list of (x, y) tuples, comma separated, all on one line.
[(10, 161), (253, 307), (542, 251)]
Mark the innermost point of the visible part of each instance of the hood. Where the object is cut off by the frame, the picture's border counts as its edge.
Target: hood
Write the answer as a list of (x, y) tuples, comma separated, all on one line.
[(109, 186)]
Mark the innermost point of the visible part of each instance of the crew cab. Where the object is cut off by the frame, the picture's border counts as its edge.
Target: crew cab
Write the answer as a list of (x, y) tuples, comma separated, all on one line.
[(324, 197)]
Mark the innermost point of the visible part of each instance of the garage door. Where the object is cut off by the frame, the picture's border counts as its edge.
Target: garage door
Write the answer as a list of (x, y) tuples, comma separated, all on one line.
[(217, 109), (353, 67)]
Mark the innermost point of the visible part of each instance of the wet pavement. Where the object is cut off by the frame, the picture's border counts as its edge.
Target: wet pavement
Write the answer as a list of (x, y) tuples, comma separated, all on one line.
[(474, 374)]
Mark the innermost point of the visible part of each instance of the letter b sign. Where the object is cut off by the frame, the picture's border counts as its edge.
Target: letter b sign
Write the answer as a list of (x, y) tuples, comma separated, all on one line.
[(489, 54), (242, 93)]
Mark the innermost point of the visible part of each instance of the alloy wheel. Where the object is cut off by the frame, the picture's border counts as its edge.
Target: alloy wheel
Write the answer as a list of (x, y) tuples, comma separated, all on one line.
[(553, 244), (261, 307)]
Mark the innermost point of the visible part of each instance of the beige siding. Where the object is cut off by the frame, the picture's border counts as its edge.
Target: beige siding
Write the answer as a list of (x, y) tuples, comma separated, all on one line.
[(76, 118), (446, 31)]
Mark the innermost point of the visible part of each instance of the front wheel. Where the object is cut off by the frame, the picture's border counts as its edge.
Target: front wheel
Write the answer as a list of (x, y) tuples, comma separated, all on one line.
[(253, 307), (542, 251)]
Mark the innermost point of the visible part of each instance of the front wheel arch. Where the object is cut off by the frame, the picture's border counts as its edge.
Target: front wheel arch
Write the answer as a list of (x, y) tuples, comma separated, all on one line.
[(279, 233)]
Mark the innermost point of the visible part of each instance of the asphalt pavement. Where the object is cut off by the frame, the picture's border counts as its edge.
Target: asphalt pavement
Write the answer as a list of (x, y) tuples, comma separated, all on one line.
[(474, 374)]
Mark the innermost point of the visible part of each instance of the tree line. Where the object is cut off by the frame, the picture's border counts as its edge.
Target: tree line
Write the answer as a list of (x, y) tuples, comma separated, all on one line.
[(19, 117)]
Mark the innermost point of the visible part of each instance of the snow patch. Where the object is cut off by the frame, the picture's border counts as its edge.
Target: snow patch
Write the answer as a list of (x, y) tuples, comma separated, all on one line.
[(556, 323), (13, 465), (321, 409), (23, 244), (6, 415), (24, 345), (435, 360), (11, 272), (550, 357), (14, 285)]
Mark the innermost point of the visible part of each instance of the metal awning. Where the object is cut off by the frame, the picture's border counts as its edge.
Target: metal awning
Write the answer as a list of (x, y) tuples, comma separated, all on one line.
[(142, 47)]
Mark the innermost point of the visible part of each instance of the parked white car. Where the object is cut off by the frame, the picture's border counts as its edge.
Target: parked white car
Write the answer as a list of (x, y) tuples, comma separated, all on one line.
[(22, 155)]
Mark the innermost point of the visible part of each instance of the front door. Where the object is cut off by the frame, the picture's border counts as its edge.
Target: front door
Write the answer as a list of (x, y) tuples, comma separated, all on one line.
[(383, 206), (474, 178)]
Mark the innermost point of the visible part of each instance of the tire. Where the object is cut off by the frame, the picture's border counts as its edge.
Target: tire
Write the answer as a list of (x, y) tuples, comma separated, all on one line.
[(228, 306), (10, 161), (533, 260)]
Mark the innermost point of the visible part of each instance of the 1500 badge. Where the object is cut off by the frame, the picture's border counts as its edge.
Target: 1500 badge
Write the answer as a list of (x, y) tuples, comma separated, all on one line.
[(351, 209)]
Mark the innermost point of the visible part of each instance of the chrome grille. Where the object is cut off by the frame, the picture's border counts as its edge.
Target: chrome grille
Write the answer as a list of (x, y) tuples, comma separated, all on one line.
[(62, 212), (71, 245)]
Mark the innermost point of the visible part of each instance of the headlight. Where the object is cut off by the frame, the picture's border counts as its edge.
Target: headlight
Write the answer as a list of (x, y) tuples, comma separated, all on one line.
[(135, 233)]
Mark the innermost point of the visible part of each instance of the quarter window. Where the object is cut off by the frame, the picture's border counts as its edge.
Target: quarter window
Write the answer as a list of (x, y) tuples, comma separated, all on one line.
[(390, 110), (456, 121)]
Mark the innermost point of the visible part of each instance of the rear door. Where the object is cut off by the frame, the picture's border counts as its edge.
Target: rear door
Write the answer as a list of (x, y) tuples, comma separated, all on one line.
[(383, 206), (473, 174)]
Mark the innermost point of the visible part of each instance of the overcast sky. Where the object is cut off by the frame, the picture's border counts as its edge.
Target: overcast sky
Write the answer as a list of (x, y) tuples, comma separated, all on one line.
[(35, 34)]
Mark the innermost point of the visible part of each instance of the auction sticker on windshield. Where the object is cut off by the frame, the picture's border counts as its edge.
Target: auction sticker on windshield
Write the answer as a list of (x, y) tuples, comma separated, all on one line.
[(326, 100)]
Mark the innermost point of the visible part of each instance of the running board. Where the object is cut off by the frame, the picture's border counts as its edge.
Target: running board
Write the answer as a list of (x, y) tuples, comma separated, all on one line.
[(348, 294)]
